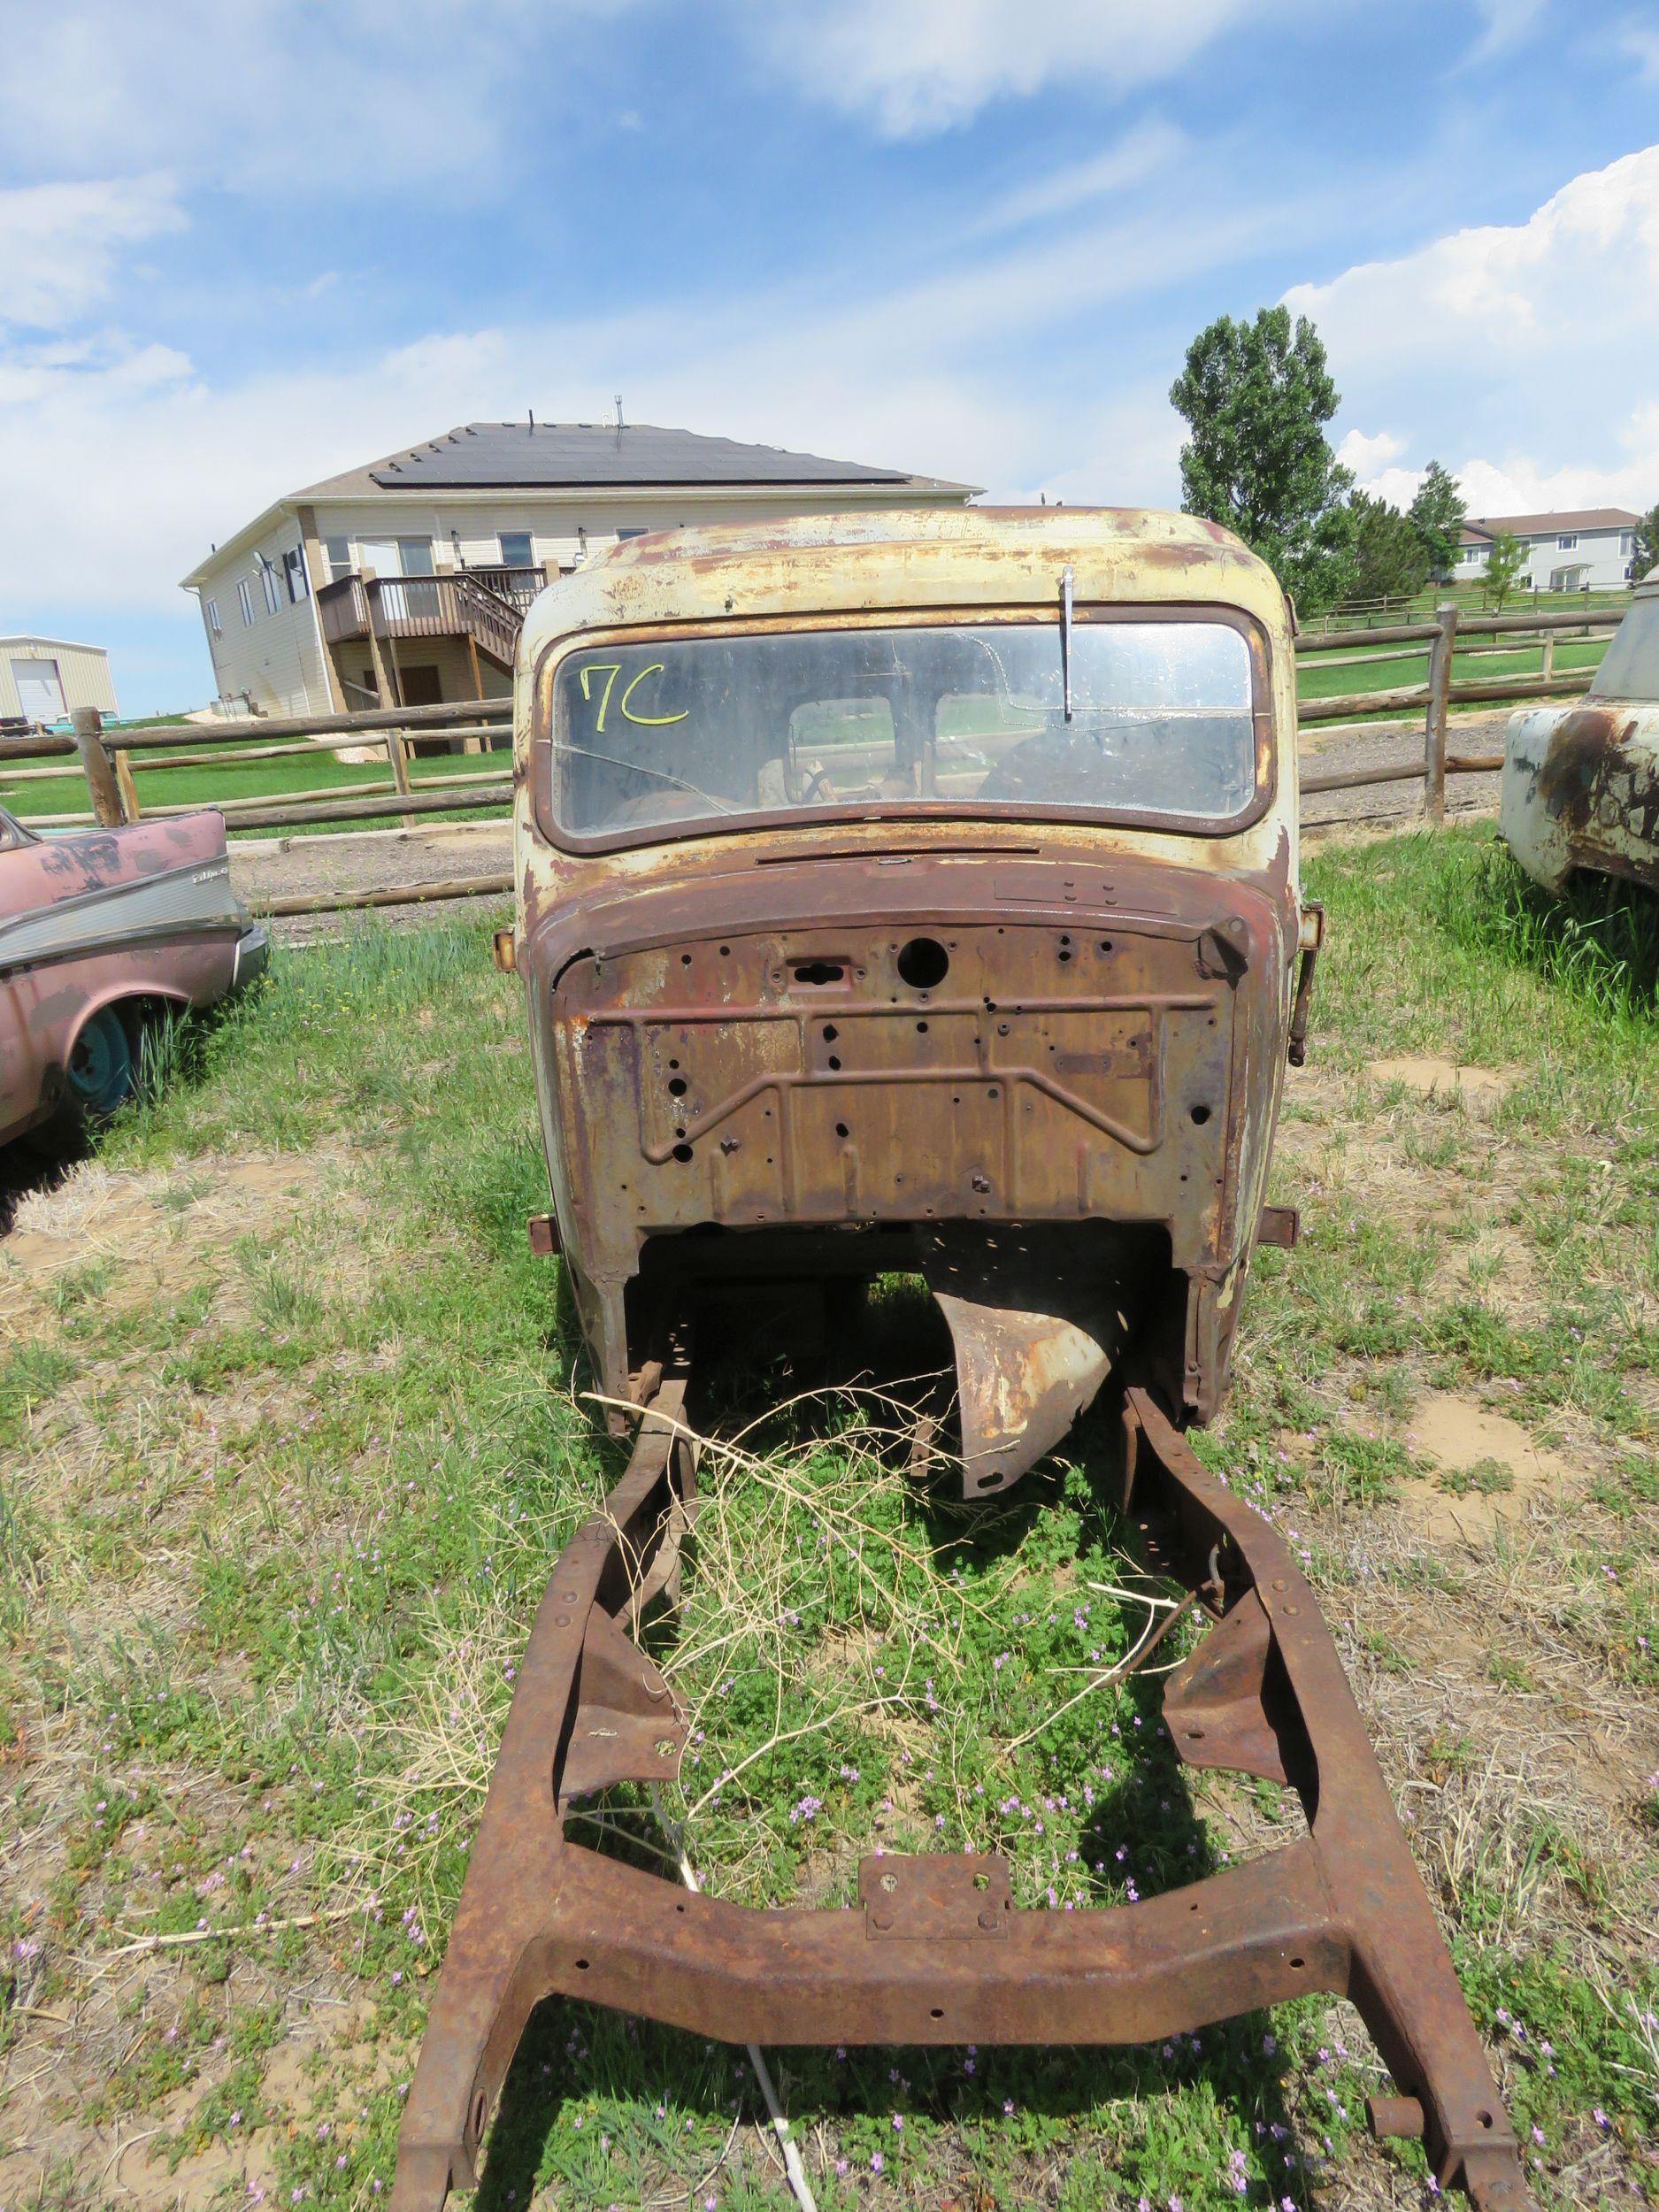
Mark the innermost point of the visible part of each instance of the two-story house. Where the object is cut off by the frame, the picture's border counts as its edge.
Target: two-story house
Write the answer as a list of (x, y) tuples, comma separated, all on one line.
[(1592, 546), (404, 582)]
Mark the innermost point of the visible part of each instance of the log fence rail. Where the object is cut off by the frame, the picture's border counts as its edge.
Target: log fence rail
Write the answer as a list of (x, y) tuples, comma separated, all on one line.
[(110, 762)]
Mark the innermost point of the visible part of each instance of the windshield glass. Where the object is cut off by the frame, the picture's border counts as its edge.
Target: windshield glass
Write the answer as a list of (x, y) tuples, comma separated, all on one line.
[(1159, 722), (1630, 669)]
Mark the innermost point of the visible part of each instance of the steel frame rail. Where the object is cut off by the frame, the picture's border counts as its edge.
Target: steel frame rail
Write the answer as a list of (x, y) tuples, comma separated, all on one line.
[(938, 1952)]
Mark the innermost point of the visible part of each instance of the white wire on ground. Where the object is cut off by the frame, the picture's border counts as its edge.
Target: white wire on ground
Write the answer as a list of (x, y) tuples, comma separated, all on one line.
[(792, 2165)]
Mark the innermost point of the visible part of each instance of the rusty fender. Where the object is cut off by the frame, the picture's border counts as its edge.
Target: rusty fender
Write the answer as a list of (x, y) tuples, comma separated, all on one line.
[(935, 1951)]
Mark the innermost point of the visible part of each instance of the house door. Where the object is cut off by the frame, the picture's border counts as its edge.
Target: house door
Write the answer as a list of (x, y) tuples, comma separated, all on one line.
[(40, 693), (403, 557)]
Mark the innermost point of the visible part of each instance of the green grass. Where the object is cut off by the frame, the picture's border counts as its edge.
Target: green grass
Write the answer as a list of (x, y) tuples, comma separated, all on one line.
[(210, 779), (1315, 679), (284, 1474)]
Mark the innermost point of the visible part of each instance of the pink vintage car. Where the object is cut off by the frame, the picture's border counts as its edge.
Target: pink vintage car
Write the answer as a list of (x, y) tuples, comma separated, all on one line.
[(101, 932)]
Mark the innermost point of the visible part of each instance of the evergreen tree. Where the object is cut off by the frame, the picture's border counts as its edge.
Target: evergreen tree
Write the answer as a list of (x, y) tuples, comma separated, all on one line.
[(1438, 515), (1256, 396), (1647, 558), (1389, 561)]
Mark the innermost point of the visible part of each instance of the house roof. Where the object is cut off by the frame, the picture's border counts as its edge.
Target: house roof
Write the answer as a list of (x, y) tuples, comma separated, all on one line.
[(557, 455), (39, 637), (551, 458), (1542, 525)]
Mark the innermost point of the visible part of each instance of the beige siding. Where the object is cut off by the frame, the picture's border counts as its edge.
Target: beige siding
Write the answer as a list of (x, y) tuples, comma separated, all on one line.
[(84, 672), (473, 523), (277, 659)]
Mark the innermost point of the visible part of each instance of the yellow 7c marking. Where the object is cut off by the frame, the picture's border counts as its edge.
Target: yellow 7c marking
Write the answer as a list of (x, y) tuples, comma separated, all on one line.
[(612, 670), (656, 669)]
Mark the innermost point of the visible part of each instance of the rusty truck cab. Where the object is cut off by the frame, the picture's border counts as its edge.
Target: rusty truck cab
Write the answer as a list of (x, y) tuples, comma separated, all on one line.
[(917, 892)]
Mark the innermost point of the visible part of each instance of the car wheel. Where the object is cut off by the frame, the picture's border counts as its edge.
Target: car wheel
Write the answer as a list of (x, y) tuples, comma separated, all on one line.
[(100, 1072)]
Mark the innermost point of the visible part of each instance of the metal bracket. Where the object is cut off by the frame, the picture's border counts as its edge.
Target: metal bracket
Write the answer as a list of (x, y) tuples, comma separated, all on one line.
[(915, 1899)]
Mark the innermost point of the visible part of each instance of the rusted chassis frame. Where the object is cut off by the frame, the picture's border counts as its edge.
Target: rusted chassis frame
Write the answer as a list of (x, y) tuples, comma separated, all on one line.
[(936, 1952)]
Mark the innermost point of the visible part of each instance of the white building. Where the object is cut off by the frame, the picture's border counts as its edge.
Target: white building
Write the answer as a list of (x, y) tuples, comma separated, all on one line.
[(404, 582), (1594, 546), (45, 679)]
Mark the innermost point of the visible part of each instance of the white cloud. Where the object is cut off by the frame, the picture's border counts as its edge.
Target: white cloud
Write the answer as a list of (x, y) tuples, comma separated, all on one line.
[(1367, 456), (1132, 160), (131, 448), (1586, 261), (1638, 42), (60, 243), (1519, 353), (1508, 24), (299, 99), (924, 66)]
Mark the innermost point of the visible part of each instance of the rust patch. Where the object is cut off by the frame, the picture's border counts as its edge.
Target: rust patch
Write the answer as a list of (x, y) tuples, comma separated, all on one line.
[(1605, 795)]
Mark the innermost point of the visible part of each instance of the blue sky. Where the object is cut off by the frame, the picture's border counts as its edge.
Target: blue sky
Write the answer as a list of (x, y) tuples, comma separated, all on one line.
[(243, 245)]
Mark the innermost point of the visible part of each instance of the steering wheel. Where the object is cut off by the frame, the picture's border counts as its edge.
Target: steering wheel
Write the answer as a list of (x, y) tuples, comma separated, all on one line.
[(814, 786)]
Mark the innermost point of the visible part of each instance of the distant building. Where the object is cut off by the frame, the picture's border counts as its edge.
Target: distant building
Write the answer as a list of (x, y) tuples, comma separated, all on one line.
[(1591, 545), (45, 679), (404, 582)]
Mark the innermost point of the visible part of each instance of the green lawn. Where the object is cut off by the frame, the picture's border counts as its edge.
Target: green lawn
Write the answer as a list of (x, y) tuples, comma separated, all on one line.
[(210, 779), (292, 1426), (1316, 679)]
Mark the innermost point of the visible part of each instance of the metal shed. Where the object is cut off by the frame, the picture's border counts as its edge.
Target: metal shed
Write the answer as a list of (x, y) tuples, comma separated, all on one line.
[(45, 679)]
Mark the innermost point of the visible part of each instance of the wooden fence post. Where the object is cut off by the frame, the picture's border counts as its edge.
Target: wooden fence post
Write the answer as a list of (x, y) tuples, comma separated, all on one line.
[(1548, 668), (397, 754), (95, 765), (125, 785), (1439, 695)]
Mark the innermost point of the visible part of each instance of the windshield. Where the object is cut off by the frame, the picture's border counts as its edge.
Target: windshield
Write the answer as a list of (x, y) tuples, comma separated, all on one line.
[(1149, 718), (1630, 669)]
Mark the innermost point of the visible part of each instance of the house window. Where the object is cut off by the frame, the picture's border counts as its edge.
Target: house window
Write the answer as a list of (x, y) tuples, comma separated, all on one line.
[(213, 622), (1568, 541), (337, 552), (273, 589), (244, 599), (630, 533), (1626, 543), (294, 573), (516, 549)]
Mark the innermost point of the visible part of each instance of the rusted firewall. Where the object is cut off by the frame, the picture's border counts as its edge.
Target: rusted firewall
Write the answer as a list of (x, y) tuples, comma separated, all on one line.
[(1023, 1062)]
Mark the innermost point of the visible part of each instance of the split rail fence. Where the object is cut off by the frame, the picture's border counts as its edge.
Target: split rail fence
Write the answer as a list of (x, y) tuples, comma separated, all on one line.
[(112, 761)]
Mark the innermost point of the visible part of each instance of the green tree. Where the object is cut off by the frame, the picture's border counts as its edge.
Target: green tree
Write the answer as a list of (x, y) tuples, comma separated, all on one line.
[(1647, 546), (1504, 565), (1389, 561), (1438, 515), (1256, 396)]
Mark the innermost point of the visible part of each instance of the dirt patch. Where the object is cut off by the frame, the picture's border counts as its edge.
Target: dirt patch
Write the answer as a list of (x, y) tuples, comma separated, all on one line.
[(1492, 1470), (1430, 1077), (149, 1230)]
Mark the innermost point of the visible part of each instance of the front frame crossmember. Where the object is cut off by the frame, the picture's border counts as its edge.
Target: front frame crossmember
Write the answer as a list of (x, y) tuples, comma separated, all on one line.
[(935, 1951)]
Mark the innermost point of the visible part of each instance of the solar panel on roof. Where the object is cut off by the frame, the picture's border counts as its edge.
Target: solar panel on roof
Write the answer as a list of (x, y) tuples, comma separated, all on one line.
[(598, 454)]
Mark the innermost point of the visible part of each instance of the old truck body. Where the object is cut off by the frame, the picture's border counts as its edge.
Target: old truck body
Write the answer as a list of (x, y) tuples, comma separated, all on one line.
[(1580, 786), (876, 917), (921, 892), (100, 930)]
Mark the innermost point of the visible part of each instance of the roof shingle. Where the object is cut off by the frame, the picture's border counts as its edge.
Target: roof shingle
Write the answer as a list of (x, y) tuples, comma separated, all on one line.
[(557, 455)]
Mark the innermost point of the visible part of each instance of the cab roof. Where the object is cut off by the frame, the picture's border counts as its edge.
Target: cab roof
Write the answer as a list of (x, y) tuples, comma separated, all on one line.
[(965, 556)]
